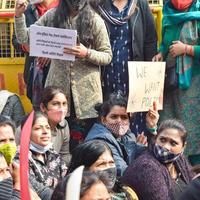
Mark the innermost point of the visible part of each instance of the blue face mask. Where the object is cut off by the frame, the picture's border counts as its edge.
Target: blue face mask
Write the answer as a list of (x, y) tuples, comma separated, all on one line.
[(38, 148), (164, 155)]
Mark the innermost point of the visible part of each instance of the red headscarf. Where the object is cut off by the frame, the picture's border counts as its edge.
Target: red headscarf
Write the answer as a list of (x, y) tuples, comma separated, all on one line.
[(181, 4), (42, 9)]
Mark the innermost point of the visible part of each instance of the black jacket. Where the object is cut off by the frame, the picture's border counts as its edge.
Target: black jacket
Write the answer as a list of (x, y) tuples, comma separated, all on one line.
[(124, 150), (193, 191), (144, 35)]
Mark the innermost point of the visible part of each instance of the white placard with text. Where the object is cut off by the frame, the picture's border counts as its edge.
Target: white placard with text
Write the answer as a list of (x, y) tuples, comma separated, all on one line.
[(49, 42), (146, 85)]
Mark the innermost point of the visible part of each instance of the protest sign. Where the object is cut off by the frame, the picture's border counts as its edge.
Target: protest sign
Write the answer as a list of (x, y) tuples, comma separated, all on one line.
[(49, 42), (146, 85)]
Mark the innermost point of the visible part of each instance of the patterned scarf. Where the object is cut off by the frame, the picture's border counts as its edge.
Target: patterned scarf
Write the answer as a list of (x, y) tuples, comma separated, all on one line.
[(117, 129), (173, 17), (188, 35), (108, 17)]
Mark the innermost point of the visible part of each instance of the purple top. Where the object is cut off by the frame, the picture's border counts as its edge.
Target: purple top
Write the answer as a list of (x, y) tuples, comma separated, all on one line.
[(151, 180)]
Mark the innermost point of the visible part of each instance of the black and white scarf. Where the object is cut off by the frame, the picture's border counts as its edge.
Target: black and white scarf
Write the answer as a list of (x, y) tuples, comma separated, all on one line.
[(108, 17)]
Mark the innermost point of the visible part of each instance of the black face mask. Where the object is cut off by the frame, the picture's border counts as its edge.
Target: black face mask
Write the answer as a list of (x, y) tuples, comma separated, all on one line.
[(6, 188), (76, 5), (111, 174)]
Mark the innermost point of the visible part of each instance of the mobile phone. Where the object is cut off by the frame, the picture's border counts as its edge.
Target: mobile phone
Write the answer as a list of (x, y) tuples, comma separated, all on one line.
[(77, 40)]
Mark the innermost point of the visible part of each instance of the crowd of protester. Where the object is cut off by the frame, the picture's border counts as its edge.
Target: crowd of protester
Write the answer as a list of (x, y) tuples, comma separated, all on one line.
[(83, 142)]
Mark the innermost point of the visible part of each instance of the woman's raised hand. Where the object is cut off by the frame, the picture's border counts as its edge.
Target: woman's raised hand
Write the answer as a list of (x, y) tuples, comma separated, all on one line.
[(20, 7), (141, 139), (158, 57), (152, 117)]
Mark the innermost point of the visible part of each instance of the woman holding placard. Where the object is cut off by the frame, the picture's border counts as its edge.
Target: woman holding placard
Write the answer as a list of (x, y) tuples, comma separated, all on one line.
[(114, 129), (133, 37), (79, 79), (180, 48)]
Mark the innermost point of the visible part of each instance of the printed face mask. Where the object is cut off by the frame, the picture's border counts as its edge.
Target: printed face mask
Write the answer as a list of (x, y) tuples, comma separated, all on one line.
[(6, 188), (9, 151), (164, 155), (181, 4), (56, 115), (118, 129)]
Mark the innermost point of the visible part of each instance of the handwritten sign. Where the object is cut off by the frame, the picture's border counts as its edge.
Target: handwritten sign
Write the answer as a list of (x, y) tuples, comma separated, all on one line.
[(49, 42), (146, 85)]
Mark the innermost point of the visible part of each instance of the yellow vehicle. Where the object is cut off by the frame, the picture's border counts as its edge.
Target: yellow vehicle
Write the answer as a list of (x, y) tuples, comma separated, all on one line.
[(11, 61), (156, 8)]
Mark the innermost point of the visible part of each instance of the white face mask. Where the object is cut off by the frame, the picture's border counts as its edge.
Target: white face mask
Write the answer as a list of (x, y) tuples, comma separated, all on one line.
[(35, 1)]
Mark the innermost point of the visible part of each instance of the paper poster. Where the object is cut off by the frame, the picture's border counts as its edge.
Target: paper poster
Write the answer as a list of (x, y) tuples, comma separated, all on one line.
[(146, 85), (49, 42), (73, 186)]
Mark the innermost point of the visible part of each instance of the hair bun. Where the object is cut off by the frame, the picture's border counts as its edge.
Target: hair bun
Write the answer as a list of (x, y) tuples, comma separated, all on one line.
[(98, 107)]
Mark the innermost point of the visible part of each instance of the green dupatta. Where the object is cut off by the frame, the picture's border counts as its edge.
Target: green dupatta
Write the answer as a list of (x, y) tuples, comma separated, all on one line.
[(176, 20)]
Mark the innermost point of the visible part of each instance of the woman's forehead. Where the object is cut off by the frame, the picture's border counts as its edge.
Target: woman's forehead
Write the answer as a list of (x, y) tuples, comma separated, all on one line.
[(171, 134), (117, 109)]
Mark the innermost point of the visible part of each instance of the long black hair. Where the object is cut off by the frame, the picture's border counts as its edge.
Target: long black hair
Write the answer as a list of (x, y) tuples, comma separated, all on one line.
[(87, 154), (84, 21), (89, 178)]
